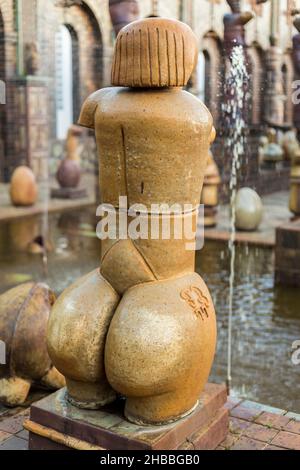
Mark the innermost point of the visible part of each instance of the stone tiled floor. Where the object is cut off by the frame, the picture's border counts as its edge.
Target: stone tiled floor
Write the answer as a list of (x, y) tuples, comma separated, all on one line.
[(252, 427), (276, 213)]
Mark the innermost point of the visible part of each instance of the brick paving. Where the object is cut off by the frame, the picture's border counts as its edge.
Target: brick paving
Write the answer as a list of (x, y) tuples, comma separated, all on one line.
[(252, 427)]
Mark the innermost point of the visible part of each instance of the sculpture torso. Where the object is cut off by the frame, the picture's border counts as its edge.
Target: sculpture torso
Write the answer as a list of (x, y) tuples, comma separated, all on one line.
[(145, 133)]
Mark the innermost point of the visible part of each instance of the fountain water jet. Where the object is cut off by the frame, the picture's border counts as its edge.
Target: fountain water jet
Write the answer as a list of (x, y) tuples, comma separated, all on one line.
[(234, 110)]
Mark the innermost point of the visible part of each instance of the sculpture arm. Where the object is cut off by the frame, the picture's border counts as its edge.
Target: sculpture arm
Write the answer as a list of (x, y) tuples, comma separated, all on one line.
[(246, 16), (213, 135)]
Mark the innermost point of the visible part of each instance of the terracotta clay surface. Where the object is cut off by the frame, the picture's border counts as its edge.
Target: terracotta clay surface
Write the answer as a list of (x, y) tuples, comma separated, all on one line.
[(160, 347), (69, 171), (76, 338), (24, 313), (23, 187), (145, 324)]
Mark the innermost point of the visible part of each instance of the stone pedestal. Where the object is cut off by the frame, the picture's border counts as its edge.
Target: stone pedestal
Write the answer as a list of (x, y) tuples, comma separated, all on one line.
[(56, 424), (287, 265)]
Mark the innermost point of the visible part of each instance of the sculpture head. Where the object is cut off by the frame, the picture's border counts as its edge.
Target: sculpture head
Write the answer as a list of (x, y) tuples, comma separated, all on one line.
[(154, 53), (235, 5)]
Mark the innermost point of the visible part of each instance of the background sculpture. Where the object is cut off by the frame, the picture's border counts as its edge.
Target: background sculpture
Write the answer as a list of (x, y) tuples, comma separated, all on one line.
[(24, 313), (296, 60), (123, 12), (234, 26)]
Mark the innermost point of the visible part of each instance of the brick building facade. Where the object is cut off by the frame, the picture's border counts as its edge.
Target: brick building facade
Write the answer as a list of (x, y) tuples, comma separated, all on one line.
[(28, 31)]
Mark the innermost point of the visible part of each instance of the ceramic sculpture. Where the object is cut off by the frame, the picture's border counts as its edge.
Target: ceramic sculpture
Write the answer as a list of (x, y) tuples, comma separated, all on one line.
[(210, 192), (234, 26), (296, 62), (24, 313), (248, 209), (143, 326), (272, 152), (69, 171)]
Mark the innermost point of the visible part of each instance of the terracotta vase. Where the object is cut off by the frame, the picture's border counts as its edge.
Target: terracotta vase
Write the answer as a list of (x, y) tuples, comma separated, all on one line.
[(234, 26), (143, 326), (24, 313), (68, 174), (23, 187)]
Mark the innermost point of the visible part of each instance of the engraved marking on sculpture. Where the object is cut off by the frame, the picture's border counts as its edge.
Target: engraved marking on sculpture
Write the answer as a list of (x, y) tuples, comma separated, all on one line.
[(183, 57), (196, 300), (141, 68), (176, 64), (126, 55), (150, 61), (158, 57), (168, 56)]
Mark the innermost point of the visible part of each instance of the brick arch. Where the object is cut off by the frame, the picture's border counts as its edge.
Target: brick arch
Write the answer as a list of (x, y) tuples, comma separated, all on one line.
[(257, 83), (211, 47), (87, 51)]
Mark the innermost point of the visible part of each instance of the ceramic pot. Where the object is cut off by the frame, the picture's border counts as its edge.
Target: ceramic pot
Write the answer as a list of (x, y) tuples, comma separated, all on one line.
[(24, 313)]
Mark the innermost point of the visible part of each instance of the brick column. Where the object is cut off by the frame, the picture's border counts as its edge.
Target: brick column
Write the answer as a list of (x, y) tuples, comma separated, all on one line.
[(27, 122)]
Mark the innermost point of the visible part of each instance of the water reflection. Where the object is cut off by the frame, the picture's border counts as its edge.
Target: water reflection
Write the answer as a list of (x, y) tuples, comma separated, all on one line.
[(266, 320)]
